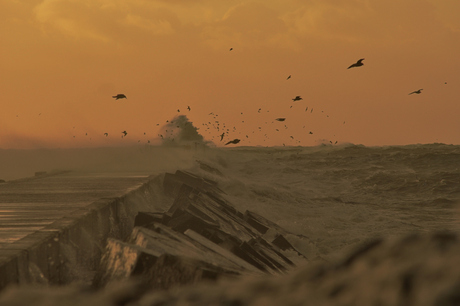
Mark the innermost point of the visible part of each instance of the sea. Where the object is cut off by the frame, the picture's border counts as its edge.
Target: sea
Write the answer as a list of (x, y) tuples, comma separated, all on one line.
[(340, 196), (332, 198)]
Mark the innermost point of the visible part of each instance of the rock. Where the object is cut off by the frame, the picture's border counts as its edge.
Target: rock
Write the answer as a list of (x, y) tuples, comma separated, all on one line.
[(121, 260), (209, 169), (143, 218), (173, 182), (201, 236)]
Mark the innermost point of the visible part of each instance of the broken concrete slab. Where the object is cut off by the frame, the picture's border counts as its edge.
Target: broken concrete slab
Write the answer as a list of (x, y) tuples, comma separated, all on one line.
[(201, 236), (167, 241)]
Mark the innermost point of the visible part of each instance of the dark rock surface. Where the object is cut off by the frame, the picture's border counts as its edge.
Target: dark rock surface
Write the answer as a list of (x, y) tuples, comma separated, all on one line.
[(201, 237)]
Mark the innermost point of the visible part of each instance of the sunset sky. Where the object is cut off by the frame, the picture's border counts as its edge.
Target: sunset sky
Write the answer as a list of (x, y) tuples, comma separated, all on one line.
[(61, 61)]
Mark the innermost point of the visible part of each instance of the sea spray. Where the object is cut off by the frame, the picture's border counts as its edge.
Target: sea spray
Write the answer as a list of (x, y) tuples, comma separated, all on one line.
[(180, 131)]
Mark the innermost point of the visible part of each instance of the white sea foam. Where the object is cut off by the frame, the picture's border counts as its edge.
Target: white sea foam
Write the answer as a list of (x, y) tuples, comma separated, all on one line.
[(332, 198)]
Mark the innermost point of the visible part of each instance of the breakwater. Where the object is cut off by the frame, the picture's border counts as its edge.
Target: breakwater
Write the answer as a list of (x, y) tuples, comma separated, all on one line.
[(54, 228), (171, 220)]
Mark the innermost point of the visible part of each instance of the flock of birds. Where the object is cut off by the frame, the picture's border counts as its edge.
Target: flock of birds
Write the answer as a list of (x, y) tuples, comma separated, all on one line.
[(217, 126)]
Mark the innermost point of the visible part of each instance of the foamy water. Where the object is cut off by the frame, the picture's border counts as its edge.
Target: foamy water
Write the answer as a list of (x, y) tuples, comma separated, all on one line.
[(334, 197), (340, 196)]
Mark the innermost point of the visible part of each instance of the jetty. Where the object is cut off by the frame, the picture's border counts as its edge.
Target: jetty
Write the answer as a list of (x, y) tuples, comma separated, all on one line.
[(170, 229)]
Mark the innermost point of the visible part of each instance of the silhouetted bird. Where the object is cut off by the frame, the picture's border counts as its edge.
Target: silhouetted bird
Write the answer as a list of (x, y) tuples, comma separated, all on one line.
[(288, 77), (280, 119), (297, 98), (231, 49), (234, 141), (124, 133), (119, 96), (188, 107), (106, 134), (222, 136), (359, 63), (417, 91)]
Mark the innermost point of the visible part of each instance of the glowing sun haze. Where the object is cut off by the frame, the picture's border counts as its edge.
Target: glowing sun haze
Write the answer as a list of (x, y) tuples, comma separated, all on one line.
[(61, 61)]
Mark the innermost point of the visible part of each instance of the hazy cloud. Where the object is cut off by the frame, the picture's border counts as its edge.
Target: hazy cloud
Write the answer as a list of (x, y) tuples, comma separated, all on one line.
[(58, 54), (101, 19)]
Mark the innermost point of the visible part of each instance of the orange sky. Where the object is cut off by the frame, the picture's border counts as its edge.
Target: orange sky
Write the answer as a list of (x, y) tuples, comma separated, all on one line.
[(61, 61)]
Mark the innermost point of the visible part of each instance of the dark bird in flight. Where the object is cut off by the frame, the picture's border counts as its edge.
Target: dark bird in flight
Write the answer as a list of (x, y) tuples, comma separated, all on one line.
[(119, 96), (106, 134), (297, 98), (280, 119), (417, 91), (231, 49), (234, 141), (288, 77), (124, 133), (188, 107), (359, 63), (222, 136)]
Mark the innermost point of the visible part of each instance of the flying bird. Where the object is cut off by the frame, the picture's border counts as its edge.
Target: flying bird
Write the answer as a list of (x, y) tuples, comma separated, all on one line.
[(231, 49), (288, 77), (119, 96), (106, 134), (297, 98), (222, 136), (417, 91), (280, 119), (188, 107), (359, 63), (234, 141), (124, 132)]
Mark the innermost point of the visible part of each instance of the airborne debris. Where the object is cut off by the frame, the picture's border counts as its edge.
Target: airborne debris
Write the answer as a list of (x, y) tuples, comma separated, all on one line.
[(234, 141), (359, 63), (119, 96)]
